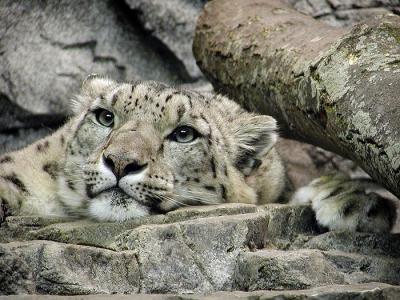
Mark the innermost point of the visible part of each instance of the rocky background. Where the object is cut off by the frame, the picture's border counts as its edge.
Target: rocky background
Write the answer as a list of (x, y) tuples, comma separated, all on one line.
[(46, 49)]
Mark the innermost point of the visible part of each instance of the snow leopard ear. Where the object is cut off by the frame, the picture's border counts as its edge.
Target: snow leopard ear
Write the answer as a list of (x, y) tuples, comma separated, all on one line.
[(255, 136), (95, 84), (92, 87)]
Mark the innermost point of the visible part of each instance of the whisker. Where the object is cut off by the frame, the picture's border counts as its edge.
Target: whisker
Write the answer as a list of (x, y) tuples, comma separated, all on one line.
[(167, 198), (196, 198), (179, 203)]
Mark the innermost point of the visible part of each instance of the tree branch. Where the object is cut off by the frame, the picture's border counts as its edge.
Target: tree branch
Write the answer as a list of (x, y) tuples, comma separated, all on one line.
[(333, 88)]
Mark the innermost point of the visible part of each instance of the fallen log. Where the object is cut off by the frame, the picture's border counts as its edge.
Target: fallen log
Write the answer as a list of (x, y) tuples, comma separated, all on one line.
[(334, 88)]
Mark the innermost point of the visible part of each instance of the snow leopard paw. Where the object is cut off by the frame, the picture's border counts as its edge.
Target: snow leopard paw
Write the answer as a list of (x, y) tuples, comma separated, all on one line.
[(341, 203)]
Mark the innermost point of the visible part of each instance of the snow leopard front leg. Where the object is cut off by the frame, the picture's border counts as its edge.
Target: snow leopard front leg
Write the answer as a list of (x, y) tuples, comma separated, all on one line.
[(341, 203)]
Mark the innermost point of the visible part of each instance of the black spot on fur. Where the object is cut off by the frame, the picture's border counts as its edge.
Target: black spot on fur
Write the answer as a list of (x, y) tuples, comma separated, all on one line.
[(13, 178), (6, 159), (43, 146), (71, 185), (257, 163), (168, 98), (62, 140), (4, 210), (190, 101), (136, 102), (225, 170), (213, 169), (114, 99), (51, 168), (89, 190), (223, 191), (209, 187), (181, 112), (196, 180), (71, 151)]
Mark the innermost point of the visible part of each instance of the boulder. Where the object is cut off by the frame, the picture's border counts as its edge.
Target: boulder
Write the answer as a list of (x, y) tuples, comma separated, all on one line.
[(198, 250), (171, 22)]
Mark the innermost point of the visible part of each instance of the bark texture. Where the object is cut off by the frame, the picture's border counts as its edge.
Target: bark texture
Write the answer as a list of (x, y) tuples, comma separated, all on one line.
[(335, 88)]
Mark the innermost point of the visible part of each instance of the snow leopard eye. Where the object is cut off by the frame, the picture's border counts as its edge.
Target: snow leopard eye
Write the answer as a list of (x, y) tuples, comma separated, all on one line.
[(104, 117), (184, 134)]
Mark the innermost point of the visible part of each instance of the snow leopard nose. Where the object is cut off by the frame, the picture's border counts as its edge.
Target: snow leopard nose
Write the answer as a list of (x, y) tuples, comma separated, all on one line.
[(122, 166)]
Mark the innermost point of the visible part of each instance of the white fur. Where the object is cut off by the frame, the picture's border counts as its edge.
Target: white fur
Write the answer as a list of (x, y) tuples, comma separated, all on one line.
[(327, 213), (303, 195), (102, 209), (109, 178), (128, 180)]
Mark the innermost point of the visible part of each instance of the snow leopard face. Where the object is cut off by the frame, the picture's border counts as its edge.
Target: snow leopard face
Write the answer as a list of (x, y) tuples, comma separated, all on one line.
[(143, 147)]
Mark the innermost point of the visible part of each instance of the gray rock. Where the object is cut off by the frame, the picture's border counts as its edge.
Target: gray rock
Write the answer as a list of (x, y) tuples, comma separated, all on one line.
[(191, 250), (22, 227), (48, 267), (358, 268), (195, 212), (103, 234), (90, 232), (288, 221), (330, 292), (193, 256), (359, 291), (348, 4), (18, 138), (301, 269), (352, 16), (275, 269), (173, 22), (16, 274), (48, 48), (357, 242), (344, 13), (314, 8)]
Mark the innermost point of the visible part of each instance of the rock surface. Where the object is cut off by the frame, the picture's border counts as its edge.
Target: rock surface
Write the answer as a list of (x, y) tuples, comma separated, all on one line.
[(193, 250), (343, 13), (173, 23), (357, 291)]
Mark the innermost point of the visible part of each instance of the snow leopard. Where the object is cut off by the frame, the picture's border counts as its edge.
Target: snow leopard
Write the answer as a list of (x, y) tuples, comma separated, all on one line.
[(134, 149)]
